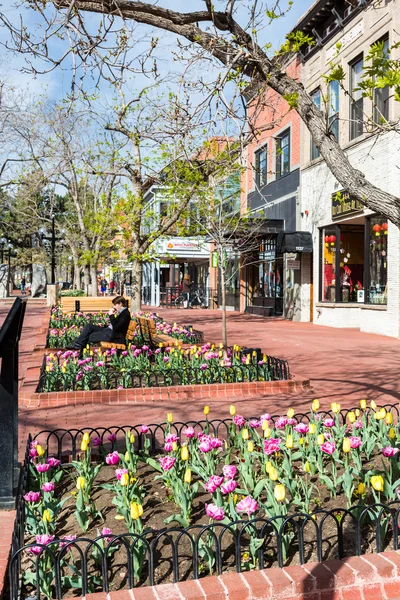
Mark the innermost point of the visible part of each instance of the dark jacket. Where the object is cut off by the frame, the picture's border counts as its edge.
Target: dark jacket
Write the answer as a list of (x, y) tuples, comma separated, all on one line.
[(186, 286), (120, 324)]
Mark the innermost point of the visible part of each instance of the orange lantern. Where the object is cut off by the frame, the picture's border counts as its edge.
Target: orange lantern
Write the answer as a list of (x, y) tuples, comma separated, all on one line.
[(377, 228), (332, 240), (385, 228)]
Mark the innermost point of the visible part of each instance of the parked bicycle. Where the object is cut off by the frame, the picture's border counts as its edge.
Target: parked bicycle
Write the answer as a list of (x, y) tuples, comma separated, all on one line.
[(196, 298)]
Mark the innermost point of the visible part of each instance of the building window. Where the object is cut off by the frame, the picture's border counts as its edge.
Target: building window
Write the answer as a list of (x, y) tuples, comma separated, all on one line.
[(356, 100), (283, 154), (333, 108), (261, 166), (353, 265), (381, 95), (316, 96)]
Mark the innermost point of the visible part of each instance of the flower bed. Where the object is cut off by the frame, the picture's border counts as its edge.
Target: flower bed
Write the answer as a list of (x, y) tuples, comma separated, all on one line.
[(244, 494), (64, 328), (143, 367)]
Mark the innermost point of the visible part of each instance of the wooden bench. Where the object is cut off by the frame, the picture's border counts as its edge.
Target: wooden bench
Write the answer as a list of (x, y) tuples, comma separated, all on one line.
[(91, 304), (129, 336), (150, 335)]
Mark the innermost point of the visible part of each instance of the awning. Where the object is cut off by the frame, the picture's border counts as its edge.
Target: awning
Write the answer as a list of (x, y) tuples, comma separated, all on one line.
[(294, 241)]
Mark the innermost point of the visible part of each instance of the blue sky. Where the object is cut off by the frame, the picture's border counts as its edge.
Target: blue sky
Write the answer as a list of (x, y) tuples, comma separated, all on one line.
[(56, 84)]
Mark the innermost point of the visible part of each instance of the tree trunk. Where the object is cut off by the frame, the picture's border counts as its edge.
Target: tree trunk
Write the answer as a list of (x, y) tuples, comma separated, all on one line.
[(86, 279), (77, 274), (93, 277), (136, 300), (223, 298)]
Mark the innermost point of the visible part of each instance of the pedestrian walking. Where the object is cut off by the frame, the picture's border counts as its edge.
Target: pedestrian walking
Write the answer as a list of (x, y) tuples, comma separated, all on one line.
[(186, 287), (23, 286), (103, 287)]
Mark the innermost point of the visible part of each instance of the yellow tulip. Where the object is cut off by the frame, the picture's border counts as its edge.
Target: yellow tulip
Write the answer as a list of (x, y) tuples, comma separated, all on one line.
[(184, 453), (280, 492), (221, 345), (267, 432), (378, 483), (363, 404), (351, 416), (188, 476), (290, 413), (80, 483), (132, 438), (86, 437), (174, 446), (39, 450), (124, 479), (84, 446), (63, 370), (245, 434), (320, 439), (265, 357), (335, 407), (360, 488), (268, 466), (264, 425), (127, 457), (232, 410), (160, 345), (315, 405), (373, 405), (358, 413), (169, 417), (312, 428), (206, 410), (136, 510), (392, 433), (346, 445), (248, 359), (220, 353), (48, 369), (380, 414), (289, 441), (389, 418), (46, 516), (273, 474), (307, 467), (250, 446)]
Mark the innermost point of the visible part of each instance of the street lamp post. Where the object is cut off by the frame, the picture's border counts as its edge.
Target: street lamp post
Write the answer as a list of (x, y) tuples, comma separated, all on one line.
[(3, 242), (52, 239)]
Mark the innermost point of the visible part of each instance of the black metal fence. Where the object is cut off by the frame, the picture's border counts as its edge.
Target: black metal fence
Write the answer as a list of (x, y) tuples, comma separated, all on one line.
[(170, 297), (274, 369), (298, 537)]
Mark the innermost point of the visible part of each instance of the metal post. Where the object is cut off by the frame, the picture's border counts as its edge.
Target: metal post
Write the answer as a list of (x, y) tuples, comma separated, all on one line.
[(8, 274), (53, 251), (10, 334), (2, 253)]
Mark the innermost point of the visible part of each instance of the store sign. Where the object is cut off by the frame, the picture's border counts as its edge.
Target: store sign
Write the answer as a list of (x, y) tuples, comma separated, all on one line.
[(344, 205), (182, 247), (294, 265)]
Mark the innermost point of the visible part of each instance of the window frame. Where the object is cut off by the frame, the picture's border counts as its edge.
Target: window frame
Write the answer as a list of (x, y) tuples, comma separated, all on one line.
[(315, 153), (333, 112), (356, 106), (257, 171), (377, 113), (278, 153)]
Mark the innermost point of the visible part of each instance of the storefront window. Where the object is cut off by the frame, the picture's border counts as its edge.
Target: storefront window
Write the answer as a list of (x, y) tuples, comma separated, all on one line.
[(377, 289), (329, 236), (351, 263), (270, 271)]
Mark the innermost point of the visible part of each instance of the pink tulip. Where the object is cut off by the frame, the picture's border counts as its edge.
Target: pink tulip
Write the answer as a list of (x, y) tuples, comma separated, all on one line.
[(168, 447), (239, 420), (33, 453), (355, 442), (215, 512), (43, 539), (281, 423), (97, 441), (229, 486), (254, 423), (167, 462), (189, 432), (67, 538), (213, 483), (53, 462), (32, 497), (112, 458), (265, 417), (43, 467), (271, 445), (358, 425), (216, 443), (247, 505), (171, 437), (120, 472), (112, 437), (48, 487), (302, 428), (229, 471), (106, 531), (205, 446), (389, 451), (328, 447), (329, 423), (144, 429), (291, 421)]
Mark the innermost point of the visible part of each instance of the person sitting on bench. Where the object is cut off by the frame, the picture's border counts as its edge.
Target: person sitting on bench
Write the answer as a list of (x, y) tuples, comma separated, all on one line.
[(120, 317)]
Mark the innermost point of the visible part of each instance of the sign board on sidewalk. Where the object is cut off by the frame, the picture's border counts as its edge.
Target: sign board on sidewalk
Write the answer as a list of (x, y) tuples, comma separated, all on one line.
[(293, 264)]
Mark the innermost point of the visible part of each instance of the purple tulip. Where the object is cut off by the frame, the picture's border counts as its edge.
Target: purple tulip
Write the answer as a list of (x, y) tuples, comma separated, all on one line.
[(100, 363), (113, 458), (53, 462), (43, 539), (165, 359), (48, 487), (203, 367), (67, 539), (272, 445), (229, 471), (254, 423), (239, 420), (167, 462), (213, 483), (328, 447), (106, 531), (32, 497), (215, 512), (247, 505), (112, 437), (97, 441), (229, 486), (291, 421), (43, 467), (358, 425), (389, 451), (281, 423)]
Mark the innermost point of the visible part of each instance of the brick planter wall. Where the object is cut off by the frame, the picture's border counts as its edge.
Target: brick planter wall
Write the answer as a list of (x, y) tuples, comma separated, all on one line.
[(30, 399), (368, 577)]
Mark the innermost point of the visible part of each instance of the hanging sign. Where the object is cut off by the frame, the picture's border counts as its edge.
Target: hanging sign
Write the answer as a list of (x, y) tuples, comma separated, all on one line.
[(344, 205), (214, 260), (293, 264)]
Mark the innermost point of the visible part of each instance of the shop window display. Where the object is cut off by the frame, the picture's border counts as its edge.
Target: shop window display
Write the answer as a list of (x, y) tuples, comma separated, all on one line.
[(378, 236), (329, 236), (351, 250)]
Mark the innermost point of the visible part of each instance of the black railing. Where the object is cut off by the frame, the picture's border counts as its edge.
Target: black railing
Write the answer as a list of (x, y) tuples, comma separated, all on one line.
[(298, 537), (10, 334), (199, 296)]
